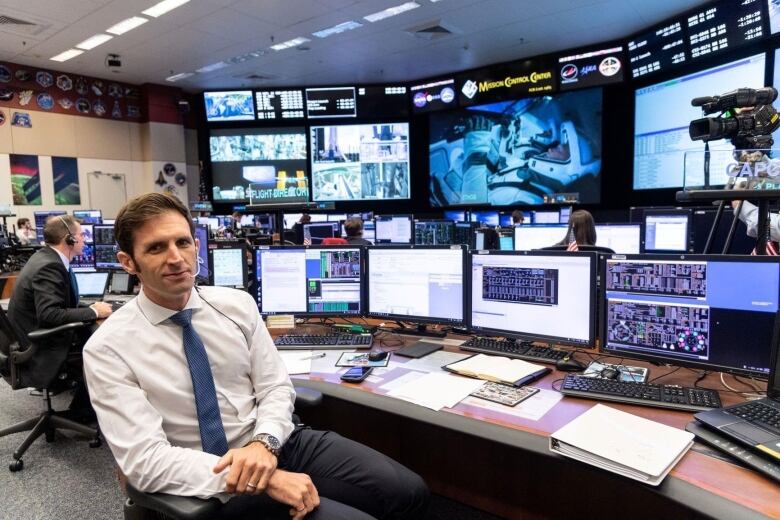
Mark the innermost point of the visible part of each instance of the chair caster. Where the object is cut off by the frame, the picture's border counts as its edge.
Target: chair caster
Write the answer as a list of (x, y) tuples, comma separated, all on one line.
[(16, 465), (50, 435), (95, 443)]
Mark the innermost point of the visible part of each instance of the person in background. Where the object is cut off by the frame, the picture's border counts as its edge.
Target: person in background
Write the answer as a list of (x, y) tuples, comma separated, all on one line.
[(581, 231), (354, 230), (298, 227), (26, 232), (517, 218)]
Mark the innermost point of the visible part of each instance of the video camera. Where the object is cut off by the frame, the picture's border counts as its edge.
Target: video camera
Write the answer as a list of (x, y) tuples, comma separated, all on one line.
[(747, 129)]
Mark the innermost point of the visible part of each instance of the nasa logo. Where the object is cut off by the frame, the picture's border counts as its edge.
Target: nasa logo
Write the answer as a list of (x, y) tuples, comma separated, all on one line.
[(609, 66), (587, 69), (569, 71), (420, 99), (469, 89), (447, 95)]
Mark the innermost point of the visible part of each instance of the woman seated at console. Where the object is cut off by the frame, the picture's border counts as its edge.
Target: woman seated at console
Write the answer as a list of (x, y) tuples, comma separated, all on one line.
[(581, 234)]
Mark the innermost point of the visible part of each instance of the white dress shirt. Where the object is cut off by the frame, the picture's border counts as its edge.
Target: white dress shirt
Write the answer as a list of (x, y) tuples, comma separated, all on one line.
[(749, 215), (140, 387)]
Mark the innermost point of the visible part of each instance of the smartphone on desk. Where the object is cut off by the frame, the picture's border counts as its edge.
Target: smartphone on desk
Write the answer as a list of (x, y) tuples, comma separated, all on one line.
[(356, 374)]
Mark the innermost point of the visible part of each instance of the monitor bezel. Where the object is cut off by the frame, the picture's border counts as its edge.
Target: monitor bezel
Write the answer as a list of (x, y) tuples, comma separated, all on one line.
[(227, 244), (650, 358), (666, 212), (418, 319), (640, 225), (519, 229), (523, 336), (363, 302), (411, 229)]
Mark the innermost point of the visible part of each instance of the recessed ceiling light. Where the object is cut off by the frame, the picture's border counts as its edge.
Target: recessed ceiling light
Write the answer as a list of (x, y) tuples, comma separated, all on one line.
[(127, 25), (290, 43), (91, 43), (163, 7), (65, 56), (337, 29), (212, 67), (391, 11), (181, 75)]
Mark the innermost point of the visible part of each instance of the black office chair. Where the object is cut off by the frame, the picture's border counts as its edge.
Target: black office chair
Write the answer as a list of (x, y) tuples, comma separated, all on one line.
[(598, 249), (154, 506), (14, 355)]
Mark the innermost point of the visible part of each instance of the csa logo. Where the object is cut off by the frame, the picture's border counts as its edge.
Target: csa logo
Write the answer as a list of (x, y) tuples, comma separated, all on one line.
[(569, 72), (609, 66), (469, 89), (447, 95)]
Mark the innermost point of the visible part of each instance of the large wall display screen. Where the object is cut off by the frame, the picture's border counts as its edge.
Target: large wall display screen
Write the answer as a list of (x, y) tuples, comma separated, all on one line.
[(527, 151), (279, 104), (511, 81), (360, 162), (267, 158), (591, 69), (234, 105), (331, 102), (434, 95), (663, 112)]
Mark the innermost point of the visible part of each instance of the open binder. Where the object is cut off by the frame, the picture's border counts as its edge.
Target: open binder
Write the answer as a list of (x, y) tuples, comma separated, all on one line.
[(498, 369)]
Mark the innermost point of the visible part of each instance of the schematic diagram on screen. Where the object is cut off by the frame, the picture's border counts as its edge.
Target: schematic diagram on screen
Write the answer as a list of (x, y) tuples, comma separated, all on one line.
[(520, 285)]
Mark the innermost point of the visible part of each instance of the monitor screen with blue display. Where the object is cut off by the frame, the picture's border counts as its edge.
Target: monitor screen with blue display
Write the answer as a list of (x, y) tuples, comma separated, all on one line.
[(235, 105)]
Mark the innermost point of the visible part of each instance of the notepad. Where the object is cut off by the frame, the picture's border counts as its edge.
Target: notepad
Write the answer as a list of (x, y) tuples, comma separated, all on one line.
[(498, 369), (623, 443)]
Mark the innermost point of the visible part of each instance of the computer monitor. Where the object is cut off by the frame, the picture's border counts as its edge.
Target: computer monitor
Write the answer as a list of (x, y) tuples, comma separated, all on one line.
[(314, 234), (228, 261), (121, 282), (416, 283), (667, 230), (393, 229), (536, 296), (92, 285), (433, 232), (692, 310), (506, 240), (486, 238), (463, 233), (204, 269), (40, 221), (105, 247), (86, 260), (486, 218), (564, 215), (455, 215), (369, 230), (537, 237), (545, 217), (336, 217), (88, 216), (621, 238), (308, 280), (505, 219), (109, 221)]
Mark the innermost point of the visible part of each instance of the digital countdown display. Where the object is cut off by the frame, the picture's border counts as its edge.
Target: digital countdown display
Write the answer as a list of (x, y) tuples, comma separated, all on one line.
[(331, 102), (274, 104)]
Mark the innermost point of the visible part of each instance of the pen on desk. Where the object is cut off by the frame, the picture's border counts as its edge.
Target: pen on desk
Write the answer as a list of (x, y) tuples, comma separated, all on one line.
[(313, 356)]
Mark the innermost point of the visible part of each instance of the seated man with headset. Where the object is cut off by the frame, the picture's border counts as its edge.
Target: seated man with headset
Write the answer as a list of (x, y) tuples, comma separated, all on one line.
[(46, 295)]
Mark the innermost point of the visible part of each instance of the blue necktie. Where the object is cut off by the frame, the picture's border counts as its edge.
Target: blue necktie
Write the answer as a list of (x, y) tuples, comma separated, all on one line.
[(74, 285), (212, 433)]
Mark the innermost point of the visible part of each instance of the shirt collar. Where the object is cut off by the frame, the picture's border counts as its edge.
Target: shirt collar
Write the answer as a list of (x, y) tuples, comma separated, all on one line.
[(62, 257), (157, 314)]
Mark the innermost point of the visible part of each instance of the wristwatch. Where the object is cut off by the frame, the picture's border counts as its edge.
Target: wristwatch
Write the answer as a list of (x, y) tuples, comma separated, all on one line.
[(270, 442)]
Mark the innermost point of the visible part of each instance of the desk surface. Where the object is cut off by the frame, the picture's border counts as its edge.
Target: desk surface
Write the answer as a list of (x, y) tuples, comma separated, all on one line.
[(700, 481)]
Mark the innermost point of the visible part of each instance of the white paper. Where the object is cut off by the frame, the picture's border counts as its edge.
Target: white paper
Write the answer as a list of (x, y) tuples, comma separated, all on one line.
[(436, 390), (400, 381), (297, 361), (433, 362), (532, 408), (327, 363)]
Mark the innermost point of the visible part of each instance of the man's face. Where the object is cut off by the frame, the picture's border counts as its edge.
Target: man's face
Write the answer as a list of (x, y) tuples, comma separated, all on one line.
[(165, 259), (78, 234)]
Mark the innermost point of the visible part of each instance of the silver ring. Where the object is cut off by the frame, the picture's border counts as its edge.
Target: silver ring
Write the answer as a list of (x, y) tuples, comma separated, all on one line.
[(250, 485)]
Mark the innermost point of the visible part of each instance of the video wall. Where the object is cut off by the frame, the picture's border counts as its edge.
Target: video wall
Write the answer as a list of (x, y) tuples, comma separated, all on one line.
[(522, 152)]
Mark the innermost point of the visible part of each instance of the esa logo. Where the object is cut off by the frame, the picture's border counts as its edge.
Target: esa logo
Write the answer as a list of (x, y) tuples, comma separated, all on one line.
[(609, 66)]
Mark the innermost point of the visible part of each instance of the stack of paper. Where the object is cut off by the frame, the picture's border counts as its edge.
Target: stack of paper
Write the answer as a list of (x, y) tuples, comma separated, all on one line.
[(625, 444), (436, 390)]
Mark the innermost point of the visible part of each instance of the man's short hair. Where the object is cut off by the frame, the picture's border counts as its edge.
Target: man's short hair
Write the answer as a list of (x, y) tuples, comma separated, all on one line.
[(140, 210), (22, 222), (353, 227), (57, 227), (517, 217)]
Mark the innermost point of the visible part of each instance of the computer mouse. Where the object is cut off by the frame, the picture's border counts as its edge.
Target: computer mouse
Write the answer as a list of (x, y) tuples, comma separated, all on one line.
[(569, 364), (609, 373), (377, 356)]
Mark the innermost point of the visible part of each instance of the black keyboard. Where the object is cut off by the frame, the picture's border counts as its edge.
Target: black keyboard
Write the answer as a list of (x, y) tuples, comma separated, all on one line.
[(759, 413), (645, 394), (511, 349), (323, 341)]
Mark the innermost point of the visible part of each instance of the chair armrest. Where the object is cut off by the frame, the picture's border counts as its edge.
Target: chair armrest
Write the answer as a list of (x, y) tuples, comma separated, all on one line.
[(22, 356), (307, 397), (184, 508)]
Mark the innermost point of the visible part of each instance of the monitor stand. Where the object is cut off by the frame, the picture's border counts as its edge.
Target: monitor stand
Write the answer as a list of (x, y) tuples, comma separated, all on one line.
[(419, 330)]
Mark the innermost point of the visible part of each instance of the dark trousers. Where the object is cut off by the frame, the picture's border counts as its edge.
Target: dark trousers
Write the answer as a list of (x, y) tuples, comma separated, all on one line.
[(354, 482)]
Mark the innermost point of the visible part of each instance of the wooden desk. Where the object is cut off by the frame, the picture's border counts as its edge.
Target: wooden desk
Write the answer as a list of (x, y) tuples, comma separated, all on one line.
[(501, 464), (7, 282)]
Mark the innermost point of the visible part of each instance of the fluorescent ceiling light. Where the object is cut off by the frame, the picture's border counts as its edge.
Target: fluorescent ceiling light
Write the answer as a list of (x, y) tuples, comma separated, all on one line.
[(212, 67), (65, 56), (241, 58), (163, 7), (337, 29), (91, 43), (391, 11), (290, 43), (127, 25), (181, 75)]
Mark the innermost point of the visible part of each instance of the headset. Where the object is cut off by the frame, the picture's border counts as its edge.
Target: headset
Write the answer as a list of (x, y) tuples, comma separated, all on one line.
[(70, 238), (248, 340)]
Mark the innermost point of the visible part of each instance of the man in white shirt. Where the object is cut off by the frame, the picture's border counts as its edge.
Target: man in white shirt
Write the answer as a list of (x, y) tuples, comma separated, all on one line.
[(194, 400)]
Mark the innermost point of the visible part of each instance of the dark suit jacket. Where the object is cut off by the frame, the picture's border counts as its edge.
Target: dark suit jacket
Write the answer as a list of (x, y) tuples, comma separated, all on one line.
[(43, 298), (358, 241)]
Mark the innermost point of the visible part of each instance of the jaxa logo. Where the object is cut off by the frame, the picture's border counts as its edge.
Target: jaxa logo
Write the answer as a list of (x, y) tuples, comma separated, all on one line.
[(470, 89), (587, 69)]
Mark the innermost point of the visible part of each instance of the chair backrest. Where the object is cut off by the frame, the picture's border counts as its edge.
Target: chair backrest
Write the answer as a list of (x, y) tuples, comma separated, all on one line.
[(598, 249), (9, 342), (334, 241)]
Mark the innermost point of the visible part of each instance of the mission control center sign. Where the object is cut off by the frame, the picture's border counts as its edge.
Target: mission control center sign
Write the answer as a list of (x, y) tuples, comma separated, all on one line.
[(502, 85)]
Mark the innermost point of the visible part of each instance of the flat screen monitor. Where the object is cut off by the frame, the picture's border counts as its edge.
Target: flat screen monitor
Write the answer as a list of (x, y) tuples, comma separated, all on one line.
[(506, 242), (662, 114), (234, 105), (486, 218), (336, 217), (383, 101), (689, 310), (309, 280), (565, 213), (537, 296), (261, 164), (464, 234), (203, 270), (505, 220), (416, 283), (455, 215), (433, 232), (40, 221), (537, 237), (360, 162), (227, 259), (88, 216), (314, 234), (290, 219), (545, 217), (393, 229), (279, 104), (624, 239), (121, 282), (554, 140), (331, 102), (92, 285), (86, 260), (667, 231), (105, 247)]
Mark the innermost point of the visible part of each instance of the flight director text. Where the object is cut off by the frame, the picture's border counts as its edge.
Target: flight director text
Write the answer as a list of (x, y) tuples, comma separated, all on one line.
[(276, 193)]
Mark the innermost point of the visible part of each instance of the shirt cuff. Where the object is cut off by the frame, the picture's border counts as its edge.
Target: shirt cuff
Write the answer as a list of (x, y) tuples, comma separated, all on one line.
[(97, 315), (271, 429)]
